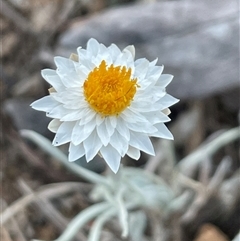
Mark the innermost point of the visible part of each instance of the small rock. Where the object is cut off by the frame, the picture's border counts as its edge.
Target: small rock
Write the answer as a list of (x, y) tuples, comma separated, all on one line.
[(197, 41), (209, 232)]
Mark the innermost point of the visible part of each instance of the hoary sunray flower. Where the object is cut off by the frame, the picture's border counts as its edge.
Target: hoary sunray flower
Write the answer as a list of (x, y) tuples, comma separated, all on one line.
[(102, 101)]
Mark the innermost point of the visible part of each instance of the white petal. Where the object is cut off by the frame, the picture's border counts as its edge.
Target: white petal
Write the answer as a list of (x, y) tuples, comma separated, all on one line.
[(157, 117), (103, 50), (147, 96), (70, 80), (153, 75), (71, 95), (103, 54), (165, 79), (141, 68), (57, 96), (131, 49), (144, 107), (111, 156), (133, 152), (114, 51), (113, 121), (93, 46), (64, 64), (84, 55), (99, 58), (125, 59), (109, 127), (91, 125), (142, 142), (53, 79), (122, 129), (88, 116), (67, 72), (153, 63), (119, 143), (88, 63), (73, 115), (144, 127), (155, 70), (46, 104), (92, 145), (103, 134), (75, 152), (167, 101), (131, 116), (54, 125), (75, 104), (58, 112), (162, 132), (81, 133), (82, 72), (99, 119), (120, 60), (64, 133)]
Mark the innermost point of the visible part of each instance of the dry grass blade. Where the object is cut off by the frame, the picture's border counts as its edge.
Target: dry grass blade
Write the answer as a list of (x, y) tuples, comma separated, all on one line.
[(48, 210), (190, 163), (49, 191), (17, 230), (220, 174), (4, 235), (157, 228), (204, 171)]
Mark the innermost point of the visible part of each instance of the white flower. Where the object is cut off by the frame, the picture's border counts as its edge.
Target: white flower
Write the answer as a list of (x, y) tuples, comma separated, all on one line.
[(103, 101)]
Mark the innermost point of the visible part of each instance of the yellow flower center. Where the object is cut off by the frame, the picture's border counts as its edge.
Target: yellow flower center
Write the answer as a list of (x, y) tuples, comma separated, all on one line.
[(109, 89)]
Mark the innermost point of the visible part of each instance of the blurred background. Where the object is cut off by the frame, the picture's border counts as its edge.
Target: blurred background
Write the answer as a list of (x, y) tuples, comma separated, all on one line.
[(196, 41)]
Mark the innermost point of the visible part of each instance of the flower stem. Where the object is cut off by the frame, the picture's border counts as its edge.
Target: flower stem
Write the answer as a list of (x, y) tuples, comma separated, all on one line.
[(98, 224), (81, 219), (209, 149)]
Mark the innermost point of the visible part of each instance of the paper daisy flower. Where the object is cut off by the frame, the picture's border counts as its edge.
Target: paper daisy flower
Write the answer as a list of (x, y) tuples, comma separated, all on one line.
[(102, 101)]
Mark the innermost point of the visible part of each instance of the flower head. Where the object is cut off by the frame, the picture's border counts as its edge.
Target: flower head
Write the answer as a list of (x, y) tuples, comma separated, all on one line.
[(103, 101)]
